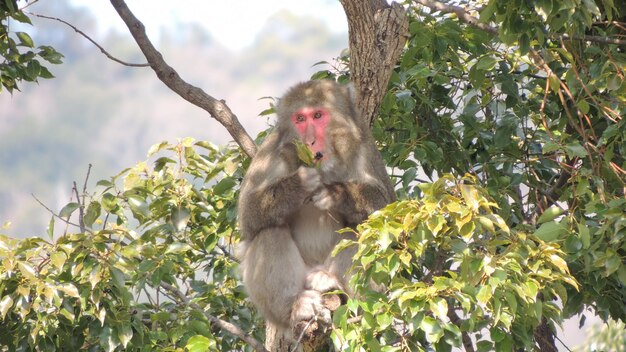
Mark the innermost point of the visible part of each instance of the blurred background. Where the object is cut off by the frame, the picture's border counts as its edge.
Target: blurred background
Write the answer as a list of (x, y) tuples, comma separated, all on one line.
[(100, 112)]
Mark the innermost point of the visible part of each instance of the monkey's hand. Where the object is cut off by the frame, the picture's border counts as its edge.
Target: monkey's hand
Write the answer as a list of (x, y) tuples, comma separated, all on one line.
[(310, 179), (323, 198)]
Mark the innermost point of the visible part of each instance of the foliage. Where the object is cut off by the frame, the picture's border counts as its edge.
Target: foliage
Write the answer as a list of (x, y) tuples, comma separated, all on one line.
[(145, 230), (534, 116), (21, 64), (450, 264)]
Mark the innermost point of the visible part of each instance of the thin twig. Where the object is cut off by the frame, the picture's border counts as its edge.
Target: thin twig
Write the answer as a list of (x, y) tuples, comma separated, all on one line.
[(91, 40), (295, 347), (85, 184), (81, 208), (222, 324), (227, 253), (66, 221)]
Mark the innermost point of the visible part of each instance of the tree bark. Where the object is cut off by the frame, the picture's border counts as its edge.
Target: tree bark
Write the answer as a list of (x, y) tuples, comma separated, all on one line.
[(377, 34)]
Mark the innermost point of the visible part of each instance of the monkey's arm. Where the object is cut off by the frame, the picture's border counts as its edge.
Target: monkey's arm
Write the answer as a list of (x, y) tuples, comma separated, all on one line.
[(354, 201), (272, 205)]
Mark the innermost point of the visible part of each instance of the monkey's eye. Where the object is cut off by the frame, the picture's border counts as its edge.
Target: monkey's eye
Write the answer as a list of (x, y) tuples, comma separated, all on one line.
[(299, 118), (317, 115)]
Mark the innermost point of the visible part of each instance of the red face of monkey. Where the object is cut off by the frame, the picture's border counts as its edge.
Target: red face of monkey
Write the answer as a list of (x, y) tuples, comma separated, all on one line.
[(311, 125)]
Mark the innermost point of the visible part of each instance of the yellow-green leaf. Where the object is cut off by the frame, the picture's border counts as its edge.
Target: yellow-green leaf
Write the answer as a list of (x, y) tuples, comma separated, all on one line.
[(69, 290), (27, 270), (484, 294), (439, 307), (5, 304), (58, 259), (559, 263)]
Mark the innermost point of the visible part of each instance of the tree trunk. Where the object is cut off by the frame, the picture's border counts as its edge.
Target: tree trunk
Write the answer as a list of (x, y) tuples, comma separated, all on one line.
[(377, 34)]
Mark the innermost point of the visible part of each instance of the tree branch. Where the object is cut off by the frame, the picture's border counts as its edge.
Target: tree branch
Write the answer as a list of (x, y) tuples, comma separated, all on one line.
[(464, 16), (106, 53), (222, 324), (216, 108)]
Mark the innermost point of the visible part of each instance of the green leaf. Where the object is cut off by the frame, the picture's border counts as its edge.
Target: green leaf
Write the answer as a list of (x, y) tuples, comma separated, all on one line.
[(575, 149), (555, 84), (486, 63), (224, 185), (585, 237), (551, 231), (550, 214), (487, 12), (25, 39), (92, 213), (304, 153), (45, 73), (198, 343), (95, 276), (68, 209), (21, 17)]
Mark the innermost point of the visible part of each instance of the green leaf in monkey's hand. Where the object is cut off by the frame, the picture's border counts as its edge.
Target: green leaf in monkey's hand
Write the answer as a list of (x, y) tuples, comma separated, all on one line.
[(304, 153)]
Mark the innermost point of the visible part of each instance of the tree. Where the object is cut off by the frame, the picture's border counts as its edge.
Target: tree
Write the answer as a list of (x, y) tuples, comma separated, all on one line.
[(502, 125)]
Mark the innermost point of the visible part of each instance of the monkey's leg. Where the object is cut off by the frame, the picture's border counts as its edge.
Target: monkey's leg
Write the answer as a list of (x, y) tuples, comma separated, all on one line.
[(273, 273)]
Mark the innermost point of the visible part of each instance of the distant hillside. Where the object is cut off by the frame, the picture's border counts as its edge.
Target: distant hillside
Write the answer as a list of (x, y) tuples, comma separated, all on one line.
[(100, 112)]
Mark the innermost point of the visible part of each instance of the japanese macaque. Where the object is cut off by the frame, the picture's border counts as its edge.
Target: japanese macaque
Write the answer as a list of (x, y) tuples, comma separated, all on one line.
[(289, 213)]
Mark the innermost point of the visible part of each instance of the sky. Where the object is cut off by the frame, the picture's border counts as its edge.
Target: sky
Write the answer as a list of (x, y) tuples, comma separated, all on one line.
[(233, 23)]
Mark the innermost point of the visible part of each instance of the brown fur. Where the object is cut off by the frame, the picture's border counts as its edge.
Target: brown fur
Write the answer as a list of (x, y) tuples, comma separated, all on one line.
[(289, 213)]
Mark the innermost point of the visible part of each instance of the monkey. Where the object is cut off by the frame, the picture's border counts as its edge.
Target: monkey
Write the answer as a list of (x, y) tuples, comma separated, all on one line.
[(289, 213)]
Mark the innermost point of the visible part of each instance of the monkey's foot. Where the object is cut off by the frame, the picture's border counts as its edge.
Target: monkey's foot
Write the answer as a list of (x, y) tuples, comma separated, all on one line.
[(321, 281), (309, 316), (324, 282)]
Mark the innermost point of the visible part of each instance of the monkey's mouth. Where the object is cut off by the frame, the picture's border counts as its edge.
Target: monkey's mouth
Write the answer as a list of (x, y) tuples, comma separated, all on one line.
[(319, 155)]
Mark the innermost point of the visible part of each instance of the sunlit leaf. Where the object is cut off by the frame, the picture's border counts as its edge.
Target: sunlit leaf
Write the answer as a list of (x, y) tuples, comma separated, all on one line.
[(58, 259), (180, 218), (198, 343), (124, 333), (27, 270), (5, 304)]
